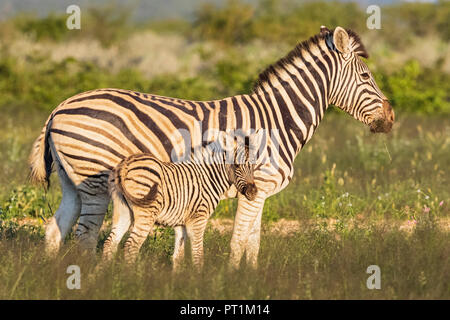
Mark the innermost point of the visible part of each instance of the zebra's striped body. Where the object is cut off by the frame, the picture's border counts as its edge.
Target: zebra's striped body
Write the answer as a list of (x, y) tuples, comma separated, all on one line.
[(172, 194), (89, 134)]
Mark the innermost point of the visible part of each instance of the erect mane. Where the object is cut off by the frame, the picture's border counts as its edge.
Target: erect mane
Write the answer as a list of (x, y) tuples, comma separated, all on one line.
[(355, 43)]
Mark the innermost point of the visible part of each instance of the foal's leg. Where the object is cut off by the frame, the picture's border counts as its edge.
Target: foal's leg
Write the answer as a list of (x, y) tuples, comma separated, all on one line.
[(144, 219), (178, 252), (66, 215), (196, 230), (120, 224)]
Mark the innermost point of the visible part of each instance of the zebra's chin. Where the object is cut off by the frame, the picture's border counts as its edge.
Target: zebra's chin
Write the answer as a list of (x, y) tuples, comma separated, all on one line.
[(385, 122)]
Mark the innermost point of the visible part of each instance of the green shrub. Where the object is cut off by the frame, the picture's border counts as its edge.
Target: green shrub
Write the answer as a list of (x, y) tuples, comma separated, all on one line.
[(107, 23), (230, 24), (53, 27), (417, 89), (25, 201), (13, 230)]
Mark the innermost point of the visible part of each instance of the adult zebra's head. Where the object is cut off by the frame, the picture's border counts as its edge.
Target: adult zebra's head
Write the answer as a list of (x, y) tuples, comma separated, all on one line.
[(354, 89)]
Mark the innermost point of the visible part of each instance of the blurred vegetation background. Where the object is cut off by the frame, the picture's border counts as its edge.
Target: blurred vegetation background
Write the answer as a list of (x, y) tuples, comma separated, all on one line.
[(218, 52)]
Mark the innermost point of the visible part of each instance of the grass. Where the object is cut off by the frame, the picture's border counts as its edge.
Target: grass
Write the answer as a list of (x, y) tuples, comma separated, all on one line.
[(313, 264)]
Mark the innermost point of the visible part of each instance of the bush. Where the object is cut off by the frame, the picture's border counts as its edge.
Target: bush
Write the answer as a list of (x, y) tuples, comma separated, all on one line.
[(52, 27), (24, 201), (230, 24), (417, 89)]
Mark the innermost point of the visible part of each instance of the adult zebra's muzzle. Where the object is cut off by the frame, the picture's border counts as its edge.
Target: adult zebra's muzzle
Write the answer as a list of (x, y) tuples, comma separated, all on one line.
[(386, 118)]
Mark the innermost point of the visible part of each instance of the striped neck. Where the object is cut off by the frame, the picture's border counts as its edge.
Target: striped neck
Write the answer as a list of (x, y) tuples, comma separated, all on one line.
[(297, 91), (213, 162)]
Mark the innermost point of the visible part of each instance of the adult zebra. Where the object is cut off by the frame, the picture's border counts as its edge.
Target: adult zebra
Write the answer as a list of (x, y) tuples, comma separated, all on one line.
[(89, 134)]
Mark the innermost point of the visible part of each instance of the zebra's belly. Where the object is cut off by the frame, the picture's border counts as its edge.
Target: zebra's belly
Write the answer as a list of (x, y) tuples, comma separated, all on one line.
[(172, 218)]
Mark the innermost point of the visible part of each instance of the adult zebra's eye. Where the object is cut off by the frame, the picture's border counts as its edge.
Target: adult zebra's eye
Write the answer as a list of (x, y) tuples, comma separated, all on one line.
[(365, 76)]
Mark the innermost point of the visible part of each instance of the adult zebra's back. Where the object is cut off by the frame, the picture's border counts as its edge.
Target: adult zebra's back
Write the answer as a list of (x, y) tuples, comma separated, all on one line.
[(89, 134)]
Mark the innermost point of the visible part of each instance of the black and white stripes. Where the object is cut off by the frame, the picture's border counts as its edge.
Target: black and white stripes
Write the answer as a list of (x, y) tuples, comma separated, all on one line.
[(89, 134), (148, 191)]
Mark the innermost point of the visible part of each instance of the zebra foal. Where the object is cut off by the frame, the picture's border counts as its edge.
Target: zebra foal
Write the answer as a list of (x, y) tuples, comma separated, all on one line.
[(146, 191)]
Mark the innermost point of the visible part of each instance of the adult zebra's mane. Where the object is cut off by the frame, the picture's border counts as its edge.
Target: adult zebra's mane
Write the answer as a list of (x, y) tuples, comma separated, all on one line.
[(307, 45)]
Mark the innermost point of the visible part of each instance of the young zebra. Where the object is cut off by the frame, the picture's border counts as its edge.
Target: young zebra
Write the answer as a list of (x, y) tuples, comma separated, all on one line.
[(146, 191)]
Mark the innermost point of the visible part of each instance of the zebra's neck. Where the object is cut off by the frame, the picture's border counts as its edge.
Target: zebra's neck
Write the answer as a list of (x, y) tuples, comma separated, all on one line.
[(214, 166), (295, 95)]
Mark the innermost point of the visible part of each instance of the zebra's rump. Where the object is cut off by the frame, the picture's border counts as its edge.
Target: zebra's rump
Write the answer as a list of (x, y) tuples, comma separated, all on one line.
[(138, 175), (175, 191)]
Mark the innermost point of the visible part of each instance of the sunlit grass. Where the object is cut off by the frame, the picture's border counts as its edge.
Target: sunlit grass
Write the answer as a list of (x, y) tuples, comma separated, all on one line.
[(313, 264)]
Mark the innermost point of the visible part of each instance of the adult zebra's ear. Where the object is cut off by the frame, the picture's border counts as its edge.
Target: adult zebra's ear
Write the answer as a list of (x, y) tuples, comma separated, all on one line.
[(341, 40)]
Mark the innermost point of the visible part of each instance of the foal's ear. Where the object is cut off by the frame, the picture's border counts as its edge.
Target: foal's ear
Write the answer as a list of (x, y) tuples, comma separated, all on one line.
[(255, 139), (255, 142), (227, 140), (341, 40)]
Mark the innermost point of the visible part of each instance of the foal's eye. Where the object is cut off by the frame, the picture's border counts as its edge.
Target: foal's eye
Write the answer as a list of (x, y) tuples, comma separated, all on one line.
[(365, 76)]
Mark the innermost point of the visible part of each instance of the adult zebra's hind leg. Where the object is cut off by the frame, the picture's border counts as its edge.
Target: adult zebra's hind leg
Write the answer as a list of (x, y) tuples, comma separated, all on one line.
[(66, 215), (93, 210)]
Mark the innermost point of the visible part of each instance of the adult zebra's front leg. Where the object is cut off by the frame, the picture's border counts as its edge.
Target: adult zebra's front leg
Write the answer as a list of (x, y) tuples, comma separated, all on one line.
[(246, 230)]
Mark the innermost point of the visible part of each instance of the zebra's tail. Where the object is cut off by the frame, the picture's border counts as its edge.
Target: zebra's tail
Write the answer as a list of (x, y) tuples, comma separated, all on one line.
[(41, 159), (120, 174)]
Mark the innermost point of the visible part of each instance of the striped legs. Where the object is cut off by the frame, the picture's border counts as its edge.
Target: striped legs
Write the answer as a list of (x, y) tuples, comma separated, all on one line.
[(144, 219), (252, 249), (178, 252), (66, 215), (93, 210), (121, 222), (246, 231), (196, 230)]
